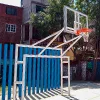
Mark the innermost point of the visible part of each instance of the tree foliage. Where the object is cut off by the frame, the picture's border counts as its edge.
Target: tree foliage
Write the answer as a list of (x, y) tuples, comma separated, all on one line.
[(51, 19)]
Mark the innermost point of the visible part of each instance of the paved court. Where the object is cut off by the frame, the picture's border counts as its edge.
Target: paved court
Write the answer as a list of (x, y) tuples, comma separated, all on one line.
[(79, 91)]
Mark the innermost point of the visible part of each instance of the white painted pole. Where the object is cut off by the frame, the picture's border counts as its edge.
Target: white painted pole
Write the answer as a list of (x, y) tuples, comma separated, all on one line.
[(61, 74), (51, 41), (23, 77), (67, 42), (46, 38), (15, 72), (71, 46), (65, 18), (69, 76)]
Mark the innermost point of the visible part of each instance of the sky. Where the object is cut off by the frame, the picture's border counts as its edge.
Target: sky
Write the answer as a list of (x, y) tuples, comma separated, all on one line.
[(11, 2)]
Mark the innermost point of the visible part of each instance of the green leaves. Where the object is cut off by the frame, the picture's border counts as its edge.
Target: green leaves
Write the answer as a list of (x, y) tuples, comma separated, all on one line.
[(51, 19)]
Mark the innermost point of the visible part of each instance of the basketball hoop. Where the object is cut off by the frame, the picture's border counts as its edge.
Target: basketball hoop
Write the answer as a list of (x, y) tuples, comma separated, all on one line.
[(85, 32)]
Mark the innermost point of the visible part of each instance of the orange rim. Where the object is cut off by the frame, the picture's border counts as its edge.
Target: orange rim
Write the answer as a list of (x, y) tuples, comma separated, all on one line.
[(85, 30)]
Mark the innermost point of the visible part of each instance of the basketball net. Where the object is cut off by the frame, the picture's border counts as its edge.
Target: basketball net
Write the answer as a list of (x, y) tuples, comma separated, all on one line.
[(85, 32)]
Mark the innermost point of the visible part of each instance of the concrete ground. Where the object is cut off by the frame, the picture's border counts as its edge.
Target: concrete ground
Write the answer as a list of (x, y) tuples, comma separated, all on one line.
[(79, 91)]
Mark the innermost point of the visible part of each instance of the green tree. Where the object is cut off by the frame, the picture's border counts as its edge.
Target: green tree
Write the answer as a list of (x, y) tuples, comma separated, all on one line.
[(51, 19)]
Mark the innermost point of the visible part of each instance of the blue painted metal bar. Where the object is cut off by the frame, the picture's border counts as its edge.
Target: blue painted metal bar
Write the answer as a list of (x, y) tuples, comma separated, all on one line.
[(34, 73), (59, 70), (42, 69), (0, 56), (4, 72), (29, 72), (26, 52), (55, 70), (52, 72), (38, 72), (10, 72), (45, 73), (49, 70), (20, 70)]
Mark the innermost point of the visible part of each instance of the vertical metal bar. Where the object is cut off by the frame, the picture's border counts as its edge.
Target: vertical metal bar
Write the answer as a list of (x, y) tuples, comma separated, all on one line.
[(38, 72), (20, 70), (61, 75), (23, 77), (59, 71), (34, 73), (87, 22), (45, 73), (25, 52), (10, 72), (4, 72), (69, 76), (52, 73), (49, 70), (0, 56), (15, 71), (75, 21), (65, 18), (55, 69), (42, 68), (78, 21), (29, 72)]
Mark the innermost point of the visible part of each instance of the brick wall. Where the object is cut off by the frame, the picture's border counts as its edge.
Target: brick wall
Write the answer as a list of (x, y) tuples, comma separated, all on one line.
[(10, 37)]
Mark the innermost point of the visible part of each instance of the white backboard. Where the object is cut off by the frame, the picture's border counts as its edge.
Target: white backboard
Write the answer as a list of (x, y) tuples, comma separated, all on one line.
[(74, 20)]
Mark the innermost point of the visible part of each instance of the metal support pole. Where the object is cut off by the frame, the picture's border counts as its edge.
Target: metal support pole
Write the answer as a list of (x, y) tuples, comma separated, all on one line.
[(66, 42), (69, 76), (65, 18), (23, 77), (71, 45), (51, 41), (61, 74), (48, 37), (15, 72)]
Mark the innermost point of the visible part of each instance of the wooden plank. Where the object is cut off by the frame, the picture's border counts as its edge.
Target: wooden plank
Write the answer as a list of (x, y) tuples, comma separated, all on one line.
[(29, 72), (26, 52), (49, 78), (4, 71), (10, 72), (20, 70), (34, 73), (38, 72)]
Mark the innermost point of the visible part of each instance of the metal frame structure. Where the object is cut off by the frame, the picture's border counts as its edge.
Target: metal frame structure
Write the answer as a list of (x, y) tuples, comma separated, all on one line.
[(77, 23), (62, 56)]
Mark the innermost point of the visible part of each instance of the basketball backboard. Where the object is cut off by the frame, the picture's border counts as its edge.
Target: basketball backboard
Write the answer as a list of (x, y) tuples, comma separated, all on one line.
[(74, 20)]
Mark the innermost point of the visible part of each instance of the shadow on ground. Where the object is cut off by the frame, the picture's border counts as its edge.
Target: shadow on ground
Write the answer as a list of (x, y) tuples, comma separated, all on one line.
[(48, 94)]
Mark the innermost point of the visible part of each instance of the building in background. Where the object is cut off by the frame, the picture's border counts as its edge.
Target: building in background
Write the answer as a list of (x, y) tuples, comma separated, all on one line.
[(30, 6), (10, 23)]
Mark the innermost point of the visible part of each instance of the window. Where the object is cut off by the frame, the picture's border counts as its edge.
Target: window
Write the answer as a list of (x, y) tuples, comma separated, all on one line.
[(11, 28), (11, 11), (39, 8)]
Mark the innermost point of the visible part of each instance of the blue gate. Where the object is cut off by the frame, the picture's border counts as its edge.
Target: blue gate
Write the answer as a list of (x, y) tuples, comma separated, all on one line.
[(41, 74)]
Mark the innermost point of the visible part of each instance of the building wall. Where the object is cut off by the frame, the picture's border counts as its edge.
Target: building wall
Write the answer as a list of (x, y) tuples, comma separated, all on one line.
[(10, 37), (29, 6)]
